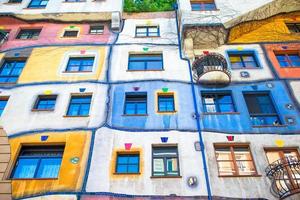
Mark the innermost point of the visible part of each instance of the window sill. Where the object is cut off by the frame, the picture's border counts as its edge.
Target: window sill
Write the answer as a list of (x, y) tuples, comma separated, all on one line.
[(34, 8), (31, 39), (31, 179), (137, 115), (146, 36), (246, 68), (239, 176), (167, 112), (12, 3), (145, 70), (165, 177), (74, 72), (74, 2), (206, 10), (264, 126), (126, 173), (75, 116), (42, 110), (221, 113)]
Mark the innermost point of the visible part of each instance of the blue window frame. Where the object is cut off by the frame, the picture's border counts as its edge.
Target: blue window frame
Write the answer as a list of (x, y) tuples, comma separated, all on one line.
[(45, 102), (11, 70), (261, 109), (3, 102), (27, 34), (80, 64), (218, 102), (243, 60), (127, 164), (135, 103), (166, 103), (144, 62), (38, 162), (38, 4), (147, 31), (165, 161), (79, 106), (288, 59), (203, 5)]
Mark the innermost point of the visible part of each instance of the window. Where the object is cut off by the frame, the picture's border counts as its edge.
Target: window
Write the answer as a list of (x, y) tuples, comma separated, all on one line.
[(75, 0), (293, 27), (97, 29), (147, 31), (45, 102), (127, 163), (69, 33), (26, 34), (11, 70), (79, 106), (234, 160), (165, 161), (80, 64), (3, 102), (166, 102), (204, 5), (136, 103), (243, 60), (38, 162), (261, 109), (145, 62), (288, 59), (217, 102), (38, 4), (3, 35), (14, 1)]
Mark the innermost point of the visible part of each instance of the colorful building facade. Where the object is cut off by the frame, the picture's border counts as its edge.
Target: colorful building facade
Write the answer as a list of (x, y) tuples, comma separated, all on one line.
[(178, 100)]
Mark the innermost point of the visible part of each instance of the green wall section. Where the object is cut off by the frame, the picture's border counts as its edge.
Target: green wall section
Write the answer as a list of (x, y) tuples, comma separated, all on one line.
[(148, 5)]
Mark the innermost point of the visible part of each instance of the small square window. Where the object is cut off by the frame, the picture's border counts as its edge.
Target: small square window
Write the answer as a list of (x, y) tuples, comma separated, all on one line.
[(11, 70), (217, 102), (144, 62), (45, 102), (27, 34), (135, 103), (3, 36), (3, 102), (240, 60), (165, 161), (69, 33), (38, 162), (38, 3), (288, 59), (15, 1), (293, 27), (79, 106), (166, 102), (97, 29), (147, 31), (127, 163), (206, 5), (80, 64)]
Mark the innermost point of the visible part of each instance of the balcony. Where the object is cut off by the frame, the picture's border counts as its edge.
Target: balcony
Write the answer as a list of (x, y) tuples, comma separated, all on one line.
[(3, 37), (285, 176), (211, 69)]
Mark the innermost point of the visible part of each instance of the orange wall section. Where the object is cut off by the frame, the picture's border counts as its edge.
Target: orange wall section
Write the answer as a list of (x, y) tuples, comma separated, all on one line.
[(268, 30), (286, 72), (70, 176)]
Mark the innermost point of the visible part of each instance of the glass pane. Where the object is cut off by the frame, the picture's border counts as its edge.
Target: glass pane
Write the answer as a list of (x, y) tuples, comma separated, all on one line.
[(155, 65), (133, 168), (73, 110), (122, 169), (172, 168), (226, 168), (25, 168), (133, 159), (141, 108), (223, 153), (130, 108), (209, 6), (49, 168), (246, 167), (272, 156), (158, 166), (136, 65), (242, 153), (226, 108)]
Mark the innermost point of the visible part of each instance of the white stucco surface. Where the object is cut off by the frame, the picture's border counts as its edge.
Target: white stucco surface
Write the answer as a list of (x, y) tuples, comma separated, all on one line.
[(295, 85)]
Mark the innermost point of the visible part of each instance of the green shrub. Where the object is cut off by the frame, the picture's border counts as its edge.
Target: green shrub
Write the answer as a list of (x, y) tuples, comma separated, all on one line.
[(148, 5)]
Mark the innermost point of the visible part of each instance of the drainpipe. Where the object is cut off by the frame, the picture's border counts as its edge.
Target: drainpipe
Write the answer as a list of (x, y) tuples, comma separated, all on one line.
[(195, 108)]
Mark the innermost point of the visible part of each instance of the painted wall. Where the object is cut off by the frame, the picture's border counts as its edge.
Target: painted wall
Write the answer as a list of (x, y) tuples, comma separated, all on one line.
[(295, 88), (48, 64), (62, 7), (107, 141), (269, 30), (22, 99), (245, 187), (70, 176), (51, 33), (287, 72)]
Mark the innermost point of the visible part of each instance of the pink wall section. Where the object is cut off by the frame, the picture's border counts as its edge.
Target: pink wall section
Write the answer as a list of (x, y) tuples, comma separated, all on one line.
[(51, 33)]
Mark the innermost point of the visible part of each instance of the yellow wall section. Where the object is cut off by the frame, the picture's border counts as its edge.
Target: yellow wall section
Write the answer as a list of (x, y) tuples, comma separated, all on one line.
[(44, 64), (269, 30), (70, 176)]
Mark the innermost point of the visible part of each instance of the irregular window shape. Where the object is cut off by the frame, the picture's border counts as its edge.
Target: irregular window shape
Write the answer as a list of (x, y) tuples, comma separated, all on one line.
[(27, 34), (11, 70), (288, 59), (293, 27), (38, 4), (3, 102), (45, 102), (71, 34)]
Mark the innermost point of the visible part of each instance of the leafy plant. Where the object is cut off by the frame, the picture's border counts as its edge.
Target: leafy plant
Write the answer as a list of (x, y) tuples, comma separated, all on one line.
[(148, 5)]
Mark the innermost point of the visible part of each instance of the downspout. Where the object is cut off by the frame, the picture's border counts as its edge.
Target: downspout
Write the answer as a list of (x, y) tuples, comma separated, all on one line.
[(195, 108)]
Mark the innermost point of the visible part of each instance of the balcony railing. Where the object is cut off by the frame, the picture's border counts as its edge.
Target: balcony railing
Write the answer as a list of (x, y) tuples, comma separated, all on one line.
[(285, 176), (211, 69)]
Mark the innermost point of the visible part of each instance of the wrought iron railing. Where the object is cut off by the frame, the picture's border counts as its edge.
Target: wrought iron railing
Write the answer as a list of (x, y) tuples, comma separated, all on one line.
[(285, 176)]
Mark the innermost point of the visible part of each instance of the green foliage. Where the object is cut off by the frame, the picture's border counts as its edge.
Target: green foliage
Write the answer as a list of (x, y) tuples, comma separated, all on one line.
[(148, 5)]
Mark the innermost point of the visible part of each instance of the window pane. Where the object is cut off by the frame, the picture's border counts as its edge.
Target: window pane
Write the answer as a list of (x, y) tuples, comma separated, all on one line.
[(166, 103), (3, 103), (121, 169), (246, 167), (242, 153), (25, 168), (273, 156), (226, 168), (172, 168), (49, 168), (223, 153), (127, 163), (265, 120), (158, 167)]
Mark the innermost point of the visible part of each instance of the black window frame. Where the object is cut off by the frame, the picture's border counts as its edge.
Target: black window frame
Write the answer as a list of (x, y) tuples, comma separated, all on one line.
[(65, 35), (100, 27), (130, 154), (157, 32), (135, 95), (33, 33), (44, 97)]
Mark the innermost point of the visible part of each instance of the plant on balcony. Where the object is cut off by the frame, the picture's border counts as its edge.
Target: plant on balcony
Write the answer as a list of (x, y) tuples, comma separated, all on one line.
[(148, 5)]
